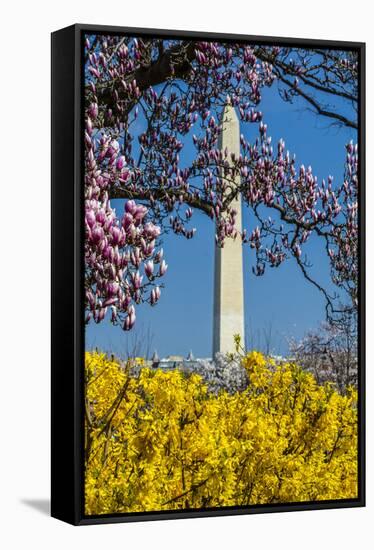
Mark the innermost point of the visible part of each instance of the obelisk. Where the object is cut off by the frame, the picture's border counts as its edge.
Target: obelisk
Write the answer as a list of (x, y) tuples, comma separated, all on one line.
[(228, 262)]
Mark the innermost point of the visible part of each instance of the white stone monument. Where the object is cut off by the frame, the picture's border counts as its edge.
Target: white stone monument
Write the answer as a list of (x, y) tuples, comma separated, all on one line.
[(228, 315)]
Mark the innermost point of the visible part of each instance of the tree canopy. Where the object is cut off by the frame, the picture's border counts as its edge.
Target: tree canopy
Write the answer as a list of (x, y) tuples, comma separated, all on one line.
[(179, 89)]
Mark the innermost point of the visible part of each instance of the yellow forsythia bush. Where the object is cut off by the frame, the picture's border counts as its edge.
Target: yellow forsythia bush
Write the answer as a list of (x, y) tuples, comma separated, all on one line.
[(161, 441)]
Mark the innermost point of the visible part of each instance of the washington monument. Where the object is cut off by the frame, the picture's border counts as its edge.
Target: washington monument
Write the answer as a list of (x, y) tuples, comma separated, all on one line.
[(228, 315)]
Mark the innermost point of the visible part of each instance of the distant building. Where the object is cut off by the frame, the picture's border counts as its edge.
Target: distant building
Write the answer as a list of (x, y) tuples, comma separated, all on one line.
[(172, 362), (155, 359)]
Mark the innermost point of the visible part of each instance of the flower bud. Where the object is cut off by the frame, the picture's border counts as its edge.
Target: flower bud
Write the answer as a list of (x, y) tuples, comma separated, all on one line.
[(163, 268), (121, 162), (148, 268)]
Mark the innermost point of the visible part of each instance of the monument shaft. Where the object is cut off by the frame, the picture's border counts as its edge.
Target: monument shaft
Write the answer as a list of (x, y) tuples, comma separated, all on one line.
[(228, 272)]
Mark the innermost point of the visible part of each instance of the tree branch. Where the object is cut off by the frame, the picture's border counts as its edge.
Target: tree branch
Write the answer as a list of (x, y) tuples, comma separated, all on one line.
[(174, 62)]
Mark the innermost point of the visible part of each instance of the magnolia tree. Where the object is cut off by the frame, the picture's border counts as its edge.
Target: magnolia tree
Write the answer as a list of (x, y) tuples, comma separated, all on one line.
[(226, 372), (147, 98), (330, 352)]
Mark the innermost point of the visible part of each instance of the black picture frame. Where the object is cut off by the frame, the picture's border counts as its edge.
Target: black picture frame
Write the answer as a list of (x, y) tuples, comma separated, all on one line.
[(67, 420)]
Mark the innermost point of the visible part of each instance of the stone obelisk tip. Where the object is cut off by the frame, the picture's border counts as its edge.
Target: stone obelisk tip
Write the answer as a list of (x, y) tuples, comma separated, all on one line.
[(229, 136), (229, 114)]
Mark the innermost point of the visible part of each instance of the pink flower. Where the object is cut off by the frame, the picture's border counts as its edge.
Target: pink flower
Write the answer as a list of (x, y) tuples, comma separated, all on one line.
[(90, 218), (130, 319), (163, 268), (141, 211), (93, 110), (152, 230), (155, 295), (148, 268), (136, 280), (97, 234), (121, 162)]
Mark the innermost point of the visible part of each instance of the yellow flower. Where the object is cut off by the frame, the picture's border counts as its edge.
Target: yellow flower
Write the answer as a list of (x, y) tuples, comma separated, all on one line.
[(161, 441)]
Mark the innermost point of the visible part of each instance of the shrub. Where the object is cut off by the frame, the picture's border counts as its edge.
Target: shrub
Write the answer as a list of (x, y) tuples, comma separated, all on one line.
[(162, 441)]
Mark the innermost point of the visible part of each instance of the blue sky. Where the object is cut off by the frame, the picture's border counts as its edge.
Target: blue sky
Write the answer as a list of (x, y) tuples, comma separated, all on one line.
[(281, 300)]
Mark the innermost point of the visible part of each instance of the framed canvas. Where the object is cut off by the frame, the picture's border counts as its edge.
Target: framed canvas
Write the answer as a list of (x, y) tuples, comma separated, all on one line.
[(208, 273)]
